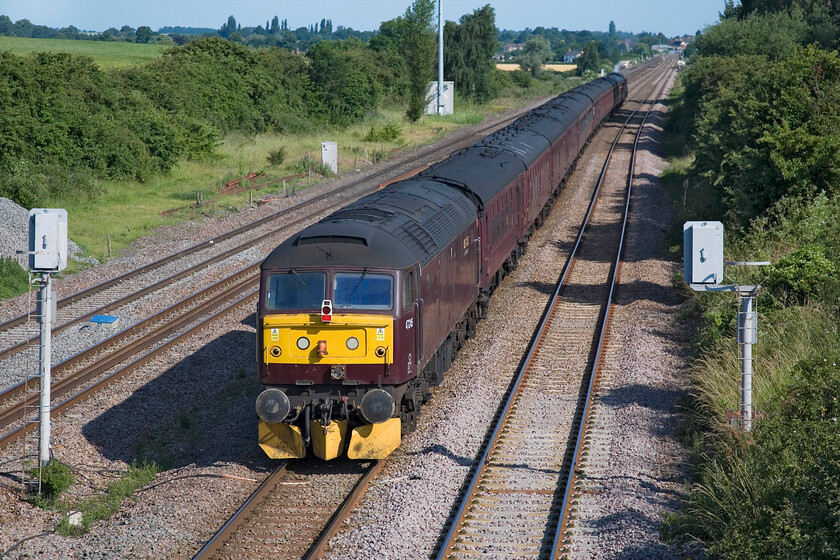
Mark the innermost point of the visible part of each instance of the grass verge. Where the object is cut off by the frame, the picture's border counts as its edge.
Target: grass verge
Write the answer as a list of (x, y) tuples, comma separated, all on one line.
[(105, 504)]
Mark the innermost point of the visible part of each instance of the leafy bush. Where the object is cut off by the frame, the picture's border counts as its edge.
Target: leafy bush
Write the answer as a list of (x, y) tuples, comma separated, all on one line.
[(521, 78), (385, 133), (103, 506), (768, 131), (63, 118), (230, 87), (56, 477), (771, 35), (307, 164), (779, 496), (343, 75), (802, 275), (277, 156)]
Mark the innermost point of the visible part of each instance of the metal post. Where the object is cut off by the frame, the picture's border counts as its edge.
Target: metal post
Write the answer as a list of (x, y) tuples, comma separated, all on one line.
[(440, 59), (747, 328), (46, 327)]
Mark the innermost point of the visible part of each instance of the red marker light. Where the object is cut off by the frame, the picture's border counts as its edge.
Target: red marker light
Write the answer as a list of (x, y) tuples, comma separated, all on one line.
[(326, 311)]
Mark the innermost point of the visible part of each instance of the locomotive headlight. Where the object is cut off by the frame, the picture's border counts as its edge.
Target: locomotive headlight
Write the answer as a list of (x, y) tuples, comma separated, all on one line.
[(303, 343), (352, 343), (275, 351), (273, 406), (380, 352)]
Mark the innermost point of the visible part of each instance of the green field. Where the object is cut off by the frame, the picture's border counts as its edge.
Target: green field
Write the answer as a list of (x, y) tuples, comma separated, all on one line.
[(107, 54)]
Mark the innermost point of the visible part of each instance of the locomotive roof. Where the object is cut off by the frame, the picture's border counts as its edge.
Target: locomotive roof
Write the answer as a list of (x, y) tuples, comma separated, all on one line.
[(481, 171), (524, 142), (404, 223)]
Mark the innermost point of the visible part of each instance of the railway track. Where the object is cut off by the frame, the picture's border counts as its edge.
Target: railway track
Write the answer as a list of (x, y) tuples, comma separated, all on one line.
[(520, 500), (290, 515), (113, 358)]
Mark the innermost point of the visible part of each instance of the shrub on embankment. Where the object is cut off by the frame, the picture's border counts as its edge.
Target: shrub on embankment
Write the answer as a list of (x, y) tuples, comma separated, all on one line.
[(762, 131), (67, 124)]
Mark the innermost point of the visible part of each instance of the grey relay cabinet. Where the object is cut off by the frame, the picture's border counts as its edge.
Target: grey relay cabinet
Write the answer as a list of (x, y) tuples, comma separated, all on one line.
[(47, 239)]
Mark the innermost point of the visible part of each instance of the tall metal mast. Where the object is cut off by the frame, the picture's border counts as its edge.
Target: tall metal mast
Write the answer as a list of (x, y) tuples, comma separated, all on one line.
[(440, 59)]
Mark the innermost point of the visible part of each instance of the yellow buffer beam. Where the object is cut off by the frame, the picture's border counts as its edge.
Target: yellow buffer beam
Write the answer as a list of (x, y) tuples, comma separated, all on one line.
[(375, 441), (281, 441), (328, 442)]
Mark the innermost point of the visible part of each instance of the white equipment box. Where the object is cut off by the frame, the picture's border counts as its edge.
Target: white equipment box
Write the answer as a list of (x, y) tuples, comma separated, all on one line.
[(703, 252), (47, 239)]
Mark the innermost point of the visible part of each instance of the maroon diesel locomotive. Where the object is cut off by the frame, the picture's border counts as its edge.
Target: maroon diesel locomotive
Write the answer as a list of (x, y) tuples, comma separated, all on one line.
[(362, 312)]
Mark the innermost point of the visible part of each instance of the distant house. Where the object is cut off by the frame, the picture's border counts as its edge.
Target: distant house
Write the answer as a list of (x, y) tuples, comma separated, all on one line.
[(499, 57), (511, 47), (571, 56)]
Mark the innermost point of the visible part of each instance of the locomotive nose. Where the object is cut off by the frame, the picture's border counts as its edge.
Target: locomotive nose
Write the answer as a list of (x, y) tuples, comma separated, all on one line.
[(273, 406)]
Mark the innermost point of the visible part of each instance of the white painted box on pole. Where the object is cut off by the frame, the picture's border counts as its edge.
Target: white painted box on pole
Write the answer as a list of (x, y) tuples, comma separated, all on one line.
[(447, 99), (47, 239), (703, 252)]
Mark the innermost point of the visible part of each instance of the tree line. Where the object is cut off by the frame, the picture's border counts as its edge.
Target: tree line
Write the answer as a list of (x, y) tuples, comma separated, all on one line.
[(25, 28), (599, 47)]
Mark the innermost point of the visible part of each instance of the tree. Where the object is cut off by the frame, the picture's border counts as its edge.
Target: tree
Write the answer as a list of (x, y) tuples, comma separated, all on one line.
[(768, 130), (275, 25), (144, 34), (536, 52), (468, 53), (344, 79), (229, 27), (589, 59), (417, 43), (612, 29)]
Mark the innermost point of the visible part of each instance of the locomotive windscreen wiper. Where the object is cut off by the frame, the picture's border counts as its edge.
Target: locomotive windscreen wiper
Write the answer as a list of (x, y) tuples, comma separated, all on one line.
[(359, 283), (293, 271)]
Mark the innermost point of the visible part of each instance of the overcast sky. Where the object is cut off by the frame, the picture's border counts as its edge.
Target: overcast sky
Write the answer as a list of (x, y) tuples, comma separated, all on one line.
[(671, 17)]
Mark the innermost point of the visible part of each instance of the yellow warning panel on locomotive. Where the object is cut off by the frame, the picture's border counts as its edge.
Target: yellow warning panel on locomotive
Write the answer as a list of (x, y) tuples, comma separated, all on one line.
[(346, 339)]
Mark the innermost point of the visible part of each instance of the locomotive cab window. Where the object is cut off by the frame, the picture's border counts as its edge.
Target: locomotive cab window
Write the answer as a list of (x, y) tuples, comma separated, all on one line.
[(296, 290), (407, 291), (363, 290)]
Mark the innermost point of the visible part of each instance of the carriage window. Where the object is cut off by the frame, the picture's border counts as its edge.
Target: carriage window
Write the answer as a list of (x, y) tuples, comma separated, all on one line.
[(296, 290), (362, 290)]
